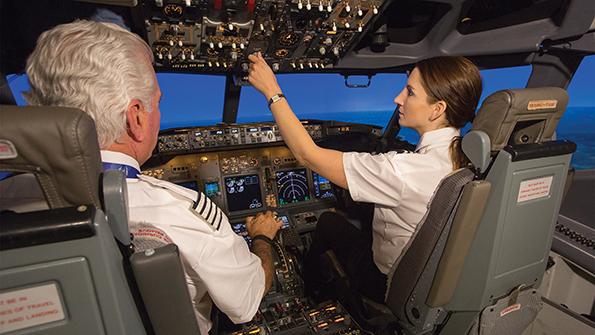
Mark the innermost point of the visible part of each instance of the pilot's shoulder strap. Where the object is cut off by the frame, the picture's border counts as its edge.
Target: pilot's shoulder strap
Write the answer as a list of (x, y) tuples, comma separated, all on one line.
[(201, 205)]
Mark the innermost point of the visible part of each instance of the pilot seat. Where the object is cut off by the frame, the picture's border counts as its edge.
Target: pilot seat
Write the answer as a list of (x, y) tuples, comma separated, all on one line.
[(475, 262), (71, 268)]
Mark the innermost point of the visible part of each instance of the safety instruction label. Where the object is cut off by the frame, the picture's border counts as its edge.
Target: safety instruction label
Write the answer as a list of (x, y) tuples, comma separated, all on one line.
[(30, 307), (535, 188)]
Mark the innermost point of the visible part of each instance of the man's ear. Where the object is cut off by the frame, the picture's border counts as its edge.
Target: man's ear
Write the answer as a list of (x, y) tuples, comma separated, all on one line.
[(439, 109), (135, 120)]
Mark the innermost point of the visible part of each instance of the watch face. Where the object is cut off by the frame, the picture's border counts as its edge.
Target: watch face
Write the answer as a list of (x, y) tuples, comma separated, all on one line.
[(276, 98)]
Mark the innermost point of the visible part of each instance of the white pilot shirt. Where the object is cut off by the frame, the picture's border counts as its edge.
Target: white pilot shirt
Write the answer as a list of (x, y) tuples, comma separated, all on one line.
[(400, 186), (217, 262)]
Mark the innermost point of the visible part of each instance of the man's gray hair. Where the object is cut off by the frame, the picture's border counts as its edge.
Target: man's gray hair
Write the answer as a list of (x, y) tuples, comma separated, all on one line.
[(96, 67)]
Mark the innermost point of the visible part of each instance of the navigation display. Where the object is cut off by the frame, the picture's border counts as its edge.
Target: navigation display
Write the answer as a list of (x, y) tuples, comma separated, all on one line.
[(292, 186), (322, 187), (243, 193)]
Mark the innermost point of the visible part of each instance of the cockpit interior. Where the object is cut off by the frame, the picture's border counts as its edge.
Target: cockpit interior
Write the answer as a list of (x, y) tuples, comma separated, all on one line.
[(507, 246)]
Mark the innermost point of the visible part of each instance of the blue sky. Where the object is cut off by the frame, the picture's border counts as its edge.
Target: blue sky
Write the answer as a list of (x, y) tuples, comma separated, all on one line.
[(197, 99)]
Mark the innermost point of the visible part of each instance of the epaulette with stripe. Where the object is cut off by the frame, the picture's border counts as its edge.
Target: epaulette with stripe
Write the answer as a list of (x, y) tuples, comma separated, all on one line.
[(205, 208), (201, 206)]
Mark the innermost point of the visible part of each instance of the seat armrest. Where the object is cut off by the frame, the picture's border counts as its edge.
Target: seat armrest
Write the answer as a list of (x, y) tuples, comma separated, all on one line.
[(170, 310)]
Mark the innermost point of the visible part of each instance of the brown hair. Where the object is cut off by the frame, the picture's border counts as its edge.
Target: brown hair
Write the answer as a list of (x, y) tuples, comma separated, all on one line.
[(456, 81)]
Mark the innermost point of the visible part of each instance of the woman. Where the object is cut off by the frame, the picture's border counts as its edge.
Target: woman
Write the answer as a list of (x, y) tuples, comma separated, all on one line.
[(440, 97)]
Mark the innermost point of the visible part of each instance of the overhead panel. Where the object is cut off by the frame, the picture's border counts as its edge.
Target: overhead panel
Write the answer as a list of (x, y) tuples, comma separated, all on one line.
[(215, 36)]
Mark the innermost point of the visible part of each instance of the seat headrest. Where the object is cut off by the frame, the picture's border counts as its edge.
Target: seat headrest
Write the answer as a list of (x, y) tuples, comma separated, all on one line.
[(521, 116), (59, 146)]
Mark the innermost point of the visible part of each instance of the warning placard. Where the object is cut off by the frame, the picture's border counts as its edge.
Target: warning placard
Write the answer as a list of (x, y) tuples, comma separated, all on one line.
[(535, 188), (30, 307)]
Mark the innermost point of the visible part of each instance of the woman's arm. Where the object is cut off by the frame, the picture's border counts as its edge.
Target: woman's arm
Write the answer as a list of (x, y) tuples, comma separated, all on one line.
[(326, 162)]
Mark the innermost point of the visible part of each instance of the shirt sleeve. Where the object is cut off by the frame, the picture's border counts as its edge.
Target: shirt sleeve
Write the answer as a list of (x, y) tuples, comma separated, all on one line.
[(234, 276), (374, 178)]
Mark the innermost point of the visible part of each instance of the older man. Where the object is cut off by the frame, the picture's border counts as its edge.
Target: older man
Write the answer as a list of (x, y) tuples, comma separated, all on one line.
[(107, 72)]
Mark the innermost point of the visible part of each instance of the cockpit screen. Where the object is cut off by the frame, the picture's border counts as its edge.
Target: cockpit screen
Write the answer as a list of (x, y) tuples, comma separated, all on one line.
[(292, 186), (322, 187), (243, 193), (212, 189), (285, 221)]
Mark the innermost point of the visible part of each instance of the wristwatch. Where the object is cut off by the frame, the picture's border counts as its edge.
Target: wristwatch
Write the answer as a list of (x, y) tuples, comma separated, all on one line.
[(263, 238), (275, 98)]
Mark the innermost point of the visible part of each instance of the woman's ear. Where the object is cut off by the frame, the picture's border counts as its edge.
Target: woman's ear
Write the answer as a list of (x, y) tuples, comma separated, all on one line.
[(135, 120), (439, 109)]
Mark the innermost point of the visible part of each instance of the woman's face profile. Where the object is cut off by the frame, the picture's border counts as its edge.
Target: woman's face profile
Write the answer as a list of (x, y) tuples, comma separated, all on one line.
[(414, 110)]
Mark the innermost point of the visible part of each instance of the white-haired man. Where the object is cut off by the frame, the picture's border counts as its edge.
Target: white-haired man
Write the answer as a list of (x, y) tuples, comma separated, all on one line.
[(107, 72)]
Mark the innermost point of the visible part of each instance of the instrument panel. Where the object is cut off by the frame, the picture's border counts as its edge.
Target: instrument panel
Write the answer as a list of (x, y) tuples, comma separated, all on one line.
[(246, 169), (218, 35), (242, 182), (225, 137)]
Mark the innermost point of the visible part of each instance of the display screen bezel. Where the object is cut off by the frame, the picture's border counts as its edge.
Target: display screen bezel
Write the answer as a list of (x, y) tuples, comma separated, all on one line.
[(308, 184), (332, 197), (249, 210)]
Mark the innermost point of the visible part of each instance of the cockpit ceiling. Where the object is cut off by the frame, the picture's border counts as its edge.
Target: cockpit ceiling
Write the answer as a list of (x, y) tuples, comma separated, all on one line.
[(347, 36)]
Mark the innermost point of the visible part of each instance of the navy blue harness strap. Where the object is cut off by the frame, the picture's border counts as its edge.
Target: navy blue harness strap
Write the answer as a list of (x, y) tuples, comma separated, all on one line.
[(128, 170), (4, 175)]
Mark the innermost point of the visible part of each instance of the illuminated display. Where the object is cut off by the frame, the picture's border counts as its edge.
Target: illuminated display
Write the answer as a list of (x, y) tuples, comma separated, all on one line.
[(212, 189), (292, 186), (243, 193), (322, 187), (285, 221)]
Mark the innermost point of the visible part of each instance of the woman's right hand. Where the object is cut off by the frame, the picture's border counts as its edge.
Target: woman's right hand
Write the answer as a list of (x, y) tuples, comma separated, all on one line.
[(262, 77)]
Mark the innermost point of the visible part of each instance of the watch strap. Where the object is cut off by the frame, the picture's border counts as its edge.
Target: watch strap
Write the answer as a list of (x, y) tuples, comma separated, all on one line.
[(275, 98), (263, 238)]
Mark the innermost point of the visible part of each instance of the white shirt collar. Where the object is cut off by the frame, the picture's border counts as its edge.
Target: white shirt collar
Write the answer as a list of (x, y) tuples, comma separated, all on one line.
[(108, 156), (437, 136)]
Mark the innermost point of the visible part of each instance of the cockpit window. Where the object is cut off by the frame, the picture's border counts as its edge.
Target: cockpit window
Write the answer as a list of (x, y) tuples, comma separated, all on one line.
[(18, 84), (577, 123), (194, 100), (325, 97), (187, 100), (191, 100), (504, 78)]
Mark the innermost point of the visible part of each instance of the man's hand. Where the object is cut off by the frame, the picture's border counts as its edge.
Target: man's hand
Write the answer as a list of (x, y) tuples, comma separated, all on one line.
[(262, 77), (265, 224)]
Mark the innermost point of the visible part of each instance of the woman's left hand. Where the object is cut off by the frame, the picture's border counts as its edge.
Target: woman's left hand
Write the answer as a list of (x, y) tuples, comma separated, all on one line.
[(262, 77)]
